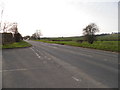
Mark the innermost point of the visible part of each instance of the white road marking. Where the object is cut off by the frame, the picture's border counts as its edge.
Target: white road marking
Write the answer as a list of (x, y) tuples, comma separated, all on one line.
[(35, 53), (14, 70), (20, 69), (78, 53), (37, 50), (33, 50), (76, 79), (85, 55)]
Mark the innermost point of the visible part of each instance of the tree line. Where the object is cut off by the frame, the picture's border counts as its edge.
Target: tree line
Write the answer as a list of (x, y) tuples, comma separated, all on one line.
[(35, 36), (88, 32)]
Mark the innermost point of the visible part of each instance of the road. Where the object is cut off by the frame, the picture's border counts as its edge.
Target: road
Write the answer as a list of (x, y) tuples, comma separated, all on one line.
[(59, 66), (0, 69)]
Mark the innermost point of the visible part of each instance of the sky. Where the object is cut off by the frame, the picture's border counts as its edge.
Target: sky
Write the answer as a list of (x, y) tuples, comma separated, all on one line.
[(60, 18)]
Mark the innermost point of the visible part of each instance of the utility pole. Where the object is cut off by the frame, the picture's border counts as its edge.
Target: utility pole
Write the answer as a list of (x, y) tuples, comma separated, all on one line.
[(1, 21), (2, 10)]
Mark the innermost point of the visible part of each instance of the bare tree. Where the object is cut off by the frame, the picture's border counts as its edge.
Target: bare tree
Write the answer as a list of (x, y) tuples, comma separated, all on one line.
[(38, 34), (9, 27), (89, 32), (13, 28)]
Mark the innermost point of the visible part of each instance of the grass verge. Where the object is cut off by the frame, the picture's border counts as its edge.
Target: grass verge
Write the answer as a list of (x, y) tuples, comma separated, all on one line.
[(16, 45), (101, 45)]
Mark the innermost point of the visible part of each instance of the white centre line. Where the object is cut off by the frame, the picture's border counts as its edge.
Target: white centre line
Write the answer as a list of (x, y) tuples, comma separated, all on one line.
[(85, 55), (35, 53), (14, 70), (76, 79)]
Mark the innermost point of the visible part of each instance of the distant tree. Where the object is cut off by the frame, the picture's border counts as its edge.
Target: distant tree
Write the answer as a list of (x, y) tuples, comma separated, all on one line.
[(89, 32), (26, 37), (33, 36), (36, 35)]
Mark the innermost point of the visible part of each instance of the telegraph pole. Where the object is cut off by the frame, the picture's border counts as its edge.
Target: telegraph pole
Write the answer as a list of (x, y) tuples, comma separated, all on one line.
[(2, 10), (1, 19)]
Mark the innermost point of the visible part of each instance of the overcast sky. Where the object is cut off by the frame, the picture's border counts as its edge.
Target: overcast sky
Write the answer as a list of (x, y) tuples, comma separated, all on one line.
[(56, 18)]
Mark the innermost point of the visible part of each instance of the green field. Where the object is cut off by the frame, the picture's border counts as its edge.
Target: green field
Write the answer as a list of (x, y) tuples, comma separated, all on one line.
[(16, 45), (101, 45), (109, 37), (107, 42)]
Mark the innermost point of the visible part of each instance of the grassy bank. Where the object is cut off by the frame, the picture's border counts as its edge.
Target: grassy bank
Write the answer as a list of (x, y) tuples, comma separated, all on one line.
[(102, 45), (16, 45)]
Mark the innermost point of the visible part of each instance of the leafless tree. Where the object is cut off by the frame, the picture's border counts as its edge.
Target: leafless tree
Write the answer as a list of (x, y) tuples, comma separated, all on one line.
[(9, 27), (38, 34)]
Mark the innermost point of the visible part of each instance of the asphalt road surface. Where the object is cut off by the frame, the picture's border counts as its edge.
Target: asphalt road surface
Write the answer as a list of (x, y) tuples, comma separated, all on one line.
[(59, 66)]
